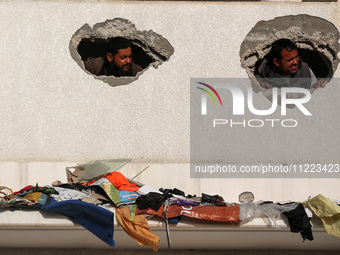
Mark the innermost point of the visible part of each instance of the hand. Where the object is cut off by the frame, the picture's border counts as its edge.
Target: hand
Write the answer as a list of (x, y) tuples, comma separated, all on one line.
[(265, 85), (318, 84)]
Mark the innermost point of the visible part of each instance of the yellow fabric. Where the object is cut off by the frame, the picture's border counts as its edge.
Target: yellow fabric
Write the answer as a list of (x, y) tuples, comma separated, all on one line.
[(137, 229), (33, 196), (328, 212)]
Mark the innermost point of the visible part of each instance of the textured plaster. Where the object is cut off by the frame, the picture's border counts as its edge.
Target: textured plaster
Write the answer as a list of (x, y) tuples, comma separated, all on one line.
[(51, 110), (154, 44)]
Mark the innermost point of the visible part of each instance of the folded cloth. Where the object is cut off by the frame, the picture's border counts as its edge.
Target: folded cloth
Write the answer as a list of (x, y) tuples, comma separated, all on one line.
[(120, 182), (97, 220)]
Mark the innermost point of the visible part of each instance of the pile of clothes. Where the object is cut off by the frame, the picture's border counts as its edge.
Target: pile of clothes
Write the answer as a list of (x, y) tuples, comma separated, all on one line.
[(94, 188)]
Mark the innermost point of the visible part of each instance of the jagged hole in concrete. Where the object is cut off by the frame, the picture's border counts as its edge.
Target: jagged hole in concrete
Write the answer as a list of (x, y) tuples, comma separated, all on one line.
[(316, 38), (149, 48)]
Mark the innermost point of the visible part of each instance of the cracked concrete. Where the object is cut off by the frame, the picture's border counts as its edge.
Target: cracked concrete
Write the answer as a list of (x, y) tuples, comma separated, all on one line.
[(155, 45)]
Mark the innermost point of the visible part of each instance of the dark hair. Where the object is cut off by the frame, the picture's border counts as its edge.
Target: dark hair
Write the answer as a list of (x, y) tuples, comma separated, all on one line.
[(279, 45), (117, 43)]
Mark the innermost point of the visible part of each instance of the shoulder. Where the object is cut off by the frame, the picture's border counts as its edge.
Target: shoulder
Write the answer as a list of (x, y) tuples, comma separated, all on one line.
[(136, 69), (94, 65), (306, 71), (264, 67)]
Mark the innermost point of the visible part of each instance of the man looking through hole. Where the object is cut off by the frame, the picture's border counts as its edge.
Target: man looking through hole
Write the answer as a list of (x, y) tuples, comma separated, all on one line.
[(117, 60), (284, 68)]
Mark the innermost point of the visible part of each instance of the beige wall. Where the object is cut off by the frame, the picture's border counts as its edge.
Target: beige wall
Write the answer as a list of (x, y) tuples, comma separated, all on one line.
[(51, 110)]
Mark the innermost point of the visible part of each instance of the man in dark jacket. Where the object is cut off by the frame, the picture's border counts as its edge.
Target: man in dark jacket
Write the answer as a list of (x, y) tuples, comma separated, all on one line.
[(284, 68), (116, 62)]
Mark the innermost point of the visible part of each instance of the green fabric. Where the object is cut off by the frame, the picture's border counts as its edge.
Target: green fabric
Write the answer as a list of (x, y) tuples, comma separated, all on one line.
[(133, 213)]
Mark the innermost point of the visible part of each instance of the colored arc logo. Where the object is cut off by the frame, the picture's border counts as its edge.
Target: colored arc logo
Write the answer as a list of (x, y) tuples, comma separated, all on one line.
[(209, 93)]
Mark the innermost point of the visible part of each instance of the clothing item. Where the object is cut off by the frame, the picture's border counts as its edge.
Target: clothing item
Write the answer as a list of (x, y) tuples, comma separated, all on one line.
[(138, 229), (71, 194), (151, 200), (97, 220), (37, 197), (120, 182), (328, 212), (303, 78), (204, 212), (23, 190), (118, 197), (183, 202), (215, 200), (299, 222), (172, 191), (47, 190)]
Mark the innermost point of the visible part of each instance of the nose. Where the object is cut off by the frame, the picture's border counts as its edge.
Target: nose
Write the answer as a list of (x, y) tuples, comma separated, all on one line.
[(296, 60), (129, 60)]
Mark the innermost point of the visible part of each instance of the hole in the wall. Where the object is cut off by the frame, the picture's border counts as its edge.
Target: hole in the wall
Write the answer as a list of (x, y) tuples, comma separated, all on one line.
[(148, 49), (316, 40), (97, 47)]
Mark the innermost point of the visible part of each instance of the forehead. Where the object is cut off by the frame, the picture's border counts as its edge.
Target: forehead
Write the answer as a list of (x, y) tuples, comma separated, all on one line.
[(126, 51), (289, 54)]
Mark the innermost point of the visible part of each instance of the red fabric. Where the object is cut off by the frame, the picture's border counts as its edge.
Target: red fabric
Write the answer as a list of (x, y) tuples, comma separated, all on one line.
[(24, 189), (204, 212), (120, 182)]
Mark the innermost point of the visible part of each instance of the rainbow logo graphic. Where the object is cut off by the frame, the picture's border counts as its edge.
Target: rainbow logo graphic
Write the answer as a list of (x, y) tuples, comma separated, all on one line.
[(209, 93)]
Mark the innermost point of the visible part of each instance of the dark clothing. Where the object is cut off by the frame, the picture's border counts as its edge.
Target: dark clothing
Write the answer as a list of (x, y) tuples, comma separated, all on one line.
[(100, 66), (299, 222), (96, 219), (302, 78)]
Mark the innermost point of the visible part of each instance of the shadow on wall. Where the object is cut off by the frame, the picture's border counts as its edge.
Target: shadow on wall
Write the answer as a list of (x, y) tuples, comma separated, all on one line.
[(148, 48), (316, 40)]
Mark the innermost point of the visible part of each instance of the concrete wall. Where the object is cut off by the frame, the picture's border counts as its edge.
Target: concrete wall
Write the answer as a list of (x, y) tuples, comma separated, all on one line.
[(53, 112)]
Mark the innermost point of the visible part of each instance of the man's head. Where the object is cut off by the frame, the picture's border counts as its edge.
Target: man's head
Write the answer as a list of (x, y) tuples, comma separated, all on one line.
[(285, 57), (119, 56)]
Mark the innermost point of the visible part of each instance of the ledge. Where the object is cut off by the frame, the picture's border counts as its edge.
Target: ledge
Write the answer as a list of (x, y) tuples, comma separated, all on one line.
[(33, 229)]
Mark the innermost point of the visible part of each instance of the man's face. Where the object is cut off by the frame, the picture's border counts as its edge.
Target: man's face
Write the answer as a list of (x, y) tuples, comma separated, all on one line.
[(288, 63), (122, 61)]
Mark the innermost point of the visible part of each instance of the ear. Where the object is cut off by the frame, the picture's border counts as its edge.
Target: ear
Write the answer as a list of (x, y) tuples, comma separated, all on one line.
[(109, 57), (276, 62)]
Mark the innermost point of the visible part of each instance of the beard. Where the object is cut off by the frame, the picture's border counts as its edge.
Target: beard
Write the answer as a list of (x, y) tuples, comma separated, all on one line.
[(117, 71)]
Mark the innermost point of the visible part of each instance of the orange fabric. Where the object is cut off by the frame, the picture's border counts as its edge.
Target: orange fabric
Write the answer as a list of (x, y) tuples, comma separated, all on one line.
[(204, 212), (120, 182), (137, 229)]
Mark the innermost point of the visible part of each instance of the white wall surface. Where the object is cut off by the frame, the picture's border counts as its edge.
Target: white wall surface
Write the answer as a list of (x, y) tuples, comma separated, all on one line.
[(51, 110)]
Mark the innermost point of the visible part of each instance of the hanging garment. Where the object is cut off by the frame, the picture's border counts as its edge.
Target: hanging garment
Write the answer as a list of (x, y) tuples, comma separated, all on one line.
[(328, 212), (299, 222), (97, 220), (138, 229)]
